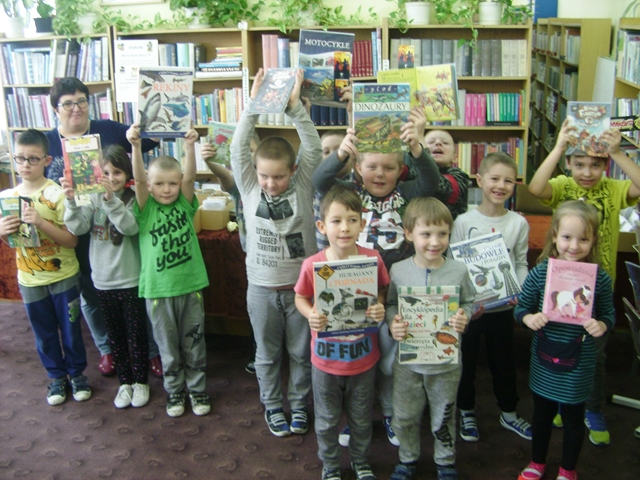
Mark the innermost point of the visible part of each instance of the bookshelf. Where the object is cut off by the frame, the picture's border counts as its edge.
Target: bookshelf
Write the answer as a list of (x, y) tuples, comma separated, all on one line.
[(564, 57), (627, 82), (29, 66)]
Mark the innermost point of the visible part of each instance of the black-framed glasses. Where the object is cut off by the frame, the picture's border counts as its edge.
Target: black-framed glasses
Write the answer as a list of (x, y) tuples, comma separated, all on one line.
[(19, 159), (81, 104)]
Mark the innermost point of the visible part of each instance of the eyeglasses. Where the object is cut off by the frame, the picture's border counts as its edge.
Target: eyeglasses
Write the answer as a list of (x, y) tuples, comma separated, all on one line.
[(19, 159), (68, 106)]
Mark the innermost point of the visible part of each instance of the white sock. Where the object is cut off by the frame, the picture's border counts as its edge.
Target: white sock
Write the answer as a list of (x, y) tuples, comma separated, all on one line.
[(510, 416), (467, 411)]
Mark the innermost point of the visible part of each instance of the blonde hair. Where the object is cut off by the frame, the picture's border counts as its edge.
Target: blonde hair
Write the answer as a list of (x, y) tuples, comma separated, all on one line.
[(497, 158), (429, 210), (398, 155)]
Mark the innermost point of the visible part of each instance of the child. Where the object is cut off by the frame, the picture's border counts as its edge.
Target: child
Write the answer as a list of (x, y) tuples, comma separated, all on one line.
[(173, 273), (114, 253), (573, 236), (342, 379), (609, 196), (427, 223), (48, 274), (497, 178), (280, 234)]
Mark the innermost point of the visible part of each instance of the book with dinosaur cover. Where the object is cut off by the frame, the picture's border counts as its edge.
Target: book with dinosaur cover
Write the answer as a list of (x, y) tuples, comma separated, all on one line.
[(343, 291), (591, 120), (164, 101), (490, 269), (273, 95), (27, 234), (569, 291), (326, 58), (379, 111), (82, 166), (430, 340), (220, 136)]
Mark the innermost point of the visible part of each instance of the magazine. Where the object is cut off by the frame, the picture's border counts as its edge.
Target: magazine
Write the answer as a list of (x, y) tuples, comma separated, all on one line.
[(343, 291), (165, 95), (569, 291), (435, 87), (430, 340), (326, 58), (82, 166), (490, 269), (273, 95), (27, 234), (379, 111), (591, 120), (220, 135)]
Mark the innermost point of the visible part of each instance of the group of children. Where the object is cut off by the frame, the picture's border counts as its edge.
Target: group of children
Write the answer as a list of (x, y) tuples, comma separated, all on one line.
[(403, 209)]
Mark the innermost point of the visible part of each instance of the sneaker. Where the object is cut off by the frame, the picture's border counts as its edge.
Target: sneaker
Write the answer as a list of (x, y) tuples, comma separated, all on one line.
[(57, 391), (200, 404), (331, 474), (155, 366), (299, 421), (363, 471), (469, 427), (598, 433), (519, 426), (175, 404), (345, 435), (250, 367), (404, 472), (391, 435), (123, 397), (447, 473), (80, 388), (534, 471), (567, 474), (277, 422), (557, 421), (140, 394)]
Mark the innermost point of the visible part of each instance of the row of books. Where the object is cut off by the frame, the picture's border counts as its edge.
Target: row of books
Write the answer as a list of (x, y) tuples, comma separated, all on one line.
[(548, 44), (181, 54), (628, 61), (614, 171), (227, 63), (328, 116), (493, 109), (628, 107), (221, 105), (470, 154)]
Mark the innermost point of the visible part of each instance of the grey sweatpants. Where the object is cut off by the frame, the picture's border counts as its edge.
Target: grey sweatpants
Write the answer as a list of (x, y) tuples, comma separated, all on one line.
[(178, 327), (277, 324), (411, 392)]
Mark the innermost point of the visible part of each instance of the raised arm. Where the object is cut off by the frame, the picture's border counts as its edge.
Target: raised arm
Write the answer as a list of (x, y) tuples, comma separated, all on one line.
[(628, 166), (208, 152), (189, 169), (137, 163), (539, 186), (324, 176)]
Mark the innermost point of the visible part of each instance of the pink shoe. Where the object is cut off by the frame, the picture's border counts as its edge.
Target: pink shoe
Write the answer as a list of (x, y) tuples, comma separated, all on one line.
[(534, 471), (567, 474)]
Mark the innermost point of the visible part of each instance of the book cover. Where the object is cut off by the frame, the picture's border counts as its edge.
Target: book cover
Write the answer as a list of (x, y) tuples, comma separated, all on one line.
[(490, 269), (165, 95), (430, 340), (569, 291), (82, 166), (273, 95), (343, 291), (591, 119), (27, 234), (406, 56), (379, 111), (326, 58), (220, 135)]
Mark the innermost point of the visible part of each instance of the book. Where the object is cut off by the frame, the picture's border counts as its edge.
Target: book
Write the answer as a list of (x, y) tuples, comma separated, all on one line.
[(273, 95), (569, 291), (220, 135), (435, 87), (82, 166), (27, 234), (591, 120), (326, 59), (379, 111), (430, 340), (406, 56), (490, 269), (164, 101), (343, 291)]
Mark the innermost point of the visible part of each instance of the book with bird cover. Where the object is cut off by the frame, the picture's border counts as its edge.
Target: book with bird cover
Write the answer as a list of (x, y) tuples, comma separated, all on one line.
[(431, 340), (569, 291), (591, 119), (165, 96), (82, 169), (490, 269), (274, 92), (27, 234), (343, 291)]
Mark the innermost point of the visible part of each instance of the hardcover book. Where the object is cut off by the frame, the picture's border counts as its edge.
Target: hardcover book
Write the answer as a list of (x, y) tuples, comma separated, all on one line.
[(591, 120), (490, 269), (326, 58), (406, 56), (220, 135), (343, 291), (569, 291), (379, 111), (435, 87), (27, 234), (82, 166), (164, 101), (430, 340), (273, 95)]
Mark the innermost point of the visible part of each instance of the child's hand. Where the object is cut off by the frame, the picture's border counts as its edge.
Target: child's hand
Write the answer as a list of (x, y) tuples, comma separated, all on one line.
[(535, 321), (399, 328), (108, 189), (317, 322), (347, 96), (595, 328), (208, 150), (191, 137), (612, 137), (32, 217), (9, 225), (478, 313), (459, 321), (348, 147), (513, 302), (67, 188), (376, 312), (565, 137), (295, 93), (257, 81), (133, 135), (413, 130)]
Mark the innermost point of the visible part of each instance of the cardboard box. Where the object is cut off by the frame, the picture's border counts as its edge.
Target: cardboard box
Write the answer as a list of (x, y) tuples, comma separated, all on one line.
[(215, 219), (626, 242)]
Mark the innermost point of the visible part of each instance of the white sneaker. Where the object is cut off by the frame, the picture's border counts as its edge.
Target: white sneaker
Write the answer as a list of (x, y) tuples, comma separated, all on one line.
[(123, 397), (140, 394)]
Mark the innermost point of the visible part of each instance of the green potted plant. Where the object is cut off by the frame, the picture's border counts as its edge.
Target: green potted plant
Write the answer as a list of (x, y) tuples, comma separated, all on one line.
[(410, 12), (74, 17), (16, 11), (287, 14), (45, 22), (226, 13), (193, 11)]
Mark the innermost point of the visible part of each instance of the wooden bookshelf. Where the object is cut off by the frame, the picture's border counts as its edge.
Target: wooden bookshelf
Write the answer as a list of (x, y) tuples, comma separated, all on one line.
[(627, 83)]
